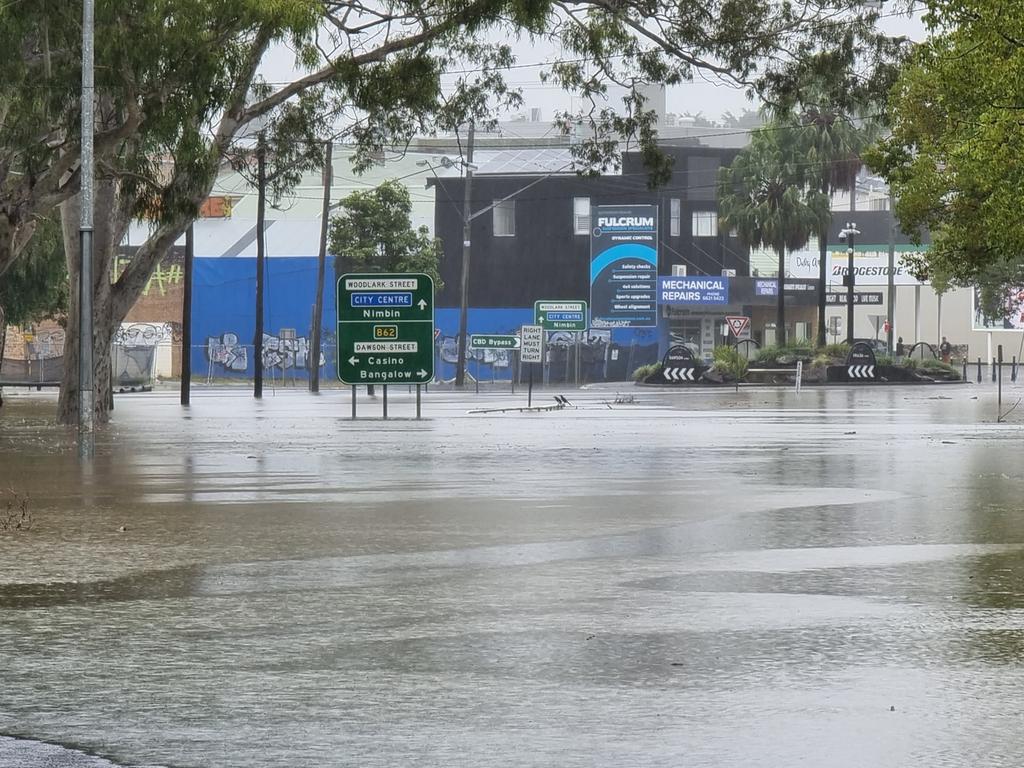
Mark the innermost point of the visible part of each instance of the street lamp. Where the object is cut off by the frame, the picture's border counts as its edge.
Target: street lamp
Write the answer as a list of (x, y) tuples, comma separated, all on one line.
[(467, 220), (848, 234)]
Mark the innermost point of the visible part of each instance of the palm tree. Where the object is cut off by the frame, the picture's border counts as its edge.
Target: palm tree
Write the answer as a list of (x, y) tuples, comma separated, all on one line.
[(763, 199), (831, 144)]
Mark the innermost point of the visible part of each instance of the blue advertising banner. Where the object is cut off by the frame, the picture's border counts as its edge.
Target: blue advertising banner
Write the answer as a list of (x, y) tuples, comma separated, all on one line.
[(693, 289), (624, 266)]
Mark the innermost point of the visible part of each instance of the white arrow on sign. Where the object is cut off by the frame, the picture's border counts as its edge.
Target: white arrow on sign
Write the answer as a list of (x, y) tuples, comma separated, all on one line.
[(680, 374), (422, 304), (861, 371), (421, 372), (353, 360)]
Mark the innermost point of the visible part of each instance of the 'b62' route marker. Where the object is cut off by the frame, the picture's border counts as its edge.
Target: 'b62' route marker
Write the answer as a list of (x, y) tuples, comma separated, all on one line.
[(385, 329)]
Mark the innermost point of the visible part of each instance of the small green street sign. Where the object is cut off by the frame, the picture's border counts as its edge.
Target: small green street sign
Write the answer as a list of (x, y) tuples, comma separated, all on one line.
[(385, 328), (560, 315), (493, 341)]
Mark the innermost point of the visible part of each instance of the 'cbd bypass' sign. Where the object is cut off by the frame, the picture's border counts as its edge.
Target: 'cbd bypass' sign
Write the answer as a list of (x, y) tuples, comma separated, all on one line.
[(385, 329)]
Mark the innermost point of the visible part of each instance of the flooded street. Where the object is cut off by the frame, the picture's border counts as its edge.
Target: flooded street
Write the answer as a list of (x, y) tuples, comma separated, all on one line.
[(706, 578)]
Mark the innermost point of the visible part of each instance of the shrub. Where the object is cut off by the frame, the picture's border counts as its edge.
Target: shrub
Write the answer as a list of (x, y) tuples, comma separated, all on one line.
[(786, 354), (644, 371), (730, 362), (840, 350), (931, 366)]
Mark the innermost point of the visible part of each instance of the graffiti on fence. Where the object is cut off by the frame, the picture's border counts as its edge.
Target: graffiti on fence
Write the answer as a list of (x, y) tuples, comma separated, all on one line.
[(144, 334), (225, 351), (284, 352)]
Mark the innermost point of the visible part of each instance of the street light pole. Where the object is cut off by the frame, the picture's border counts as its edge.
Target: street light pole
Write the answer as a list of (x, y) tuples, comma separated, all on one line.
[(86, 395), (467, 221), (848, 234)]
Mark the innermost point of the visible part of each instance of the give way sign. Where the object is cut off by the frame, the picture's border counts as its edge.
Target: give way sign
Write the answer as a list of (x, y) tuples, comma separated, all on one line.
[(739, 325)]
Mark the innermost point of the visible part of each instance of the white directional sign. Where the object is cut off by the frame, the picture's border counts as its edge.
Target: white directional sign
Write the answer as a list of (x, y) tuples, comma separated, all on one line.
[(531, 349), (680, 374), (861, 371)]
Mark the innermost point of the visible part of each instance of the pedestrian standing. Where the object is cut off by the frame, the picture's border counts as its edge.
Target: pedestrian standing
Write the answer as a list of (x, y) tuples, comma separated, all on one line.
[(901, 350), (945, 350)]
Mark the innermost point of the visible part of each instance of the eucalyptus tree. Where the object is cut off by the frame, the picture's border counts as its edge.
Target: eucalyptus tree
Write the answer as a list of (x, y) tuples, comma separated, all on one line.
[(178, 84)]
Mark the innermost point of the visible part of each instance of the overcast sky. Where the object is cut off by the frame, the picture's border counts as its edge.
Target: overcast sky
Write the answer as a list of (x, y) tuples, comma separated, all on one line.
[(704, 94)]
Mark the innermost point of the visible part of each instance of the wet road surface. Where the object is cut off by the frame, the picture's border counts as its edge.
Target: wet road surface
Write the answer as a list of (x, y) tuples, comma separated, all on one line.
[(699, 579)]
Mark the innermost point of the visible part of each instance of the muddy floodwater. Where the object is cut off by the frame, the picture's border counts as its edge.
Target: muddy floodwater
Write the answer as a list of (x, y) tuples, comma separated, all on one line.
[(718, 579)]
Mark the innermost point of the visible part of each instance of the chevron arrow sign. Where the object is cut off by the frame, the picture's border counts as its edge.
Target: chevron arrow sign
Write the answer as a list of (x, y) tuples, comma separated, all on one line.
[(861, 371), (680, 374)]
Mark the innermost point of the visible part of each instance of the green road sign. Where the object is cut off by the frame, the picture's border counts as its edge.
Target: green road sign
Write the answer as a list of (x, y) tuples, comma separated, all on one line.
[(385, 329), (493, 341), (561, 315)]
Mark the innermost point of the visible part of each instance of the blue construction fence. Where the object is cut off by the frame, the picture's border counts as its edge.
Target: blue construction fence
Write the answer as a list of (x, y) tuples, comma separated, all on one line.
[(224, 324)]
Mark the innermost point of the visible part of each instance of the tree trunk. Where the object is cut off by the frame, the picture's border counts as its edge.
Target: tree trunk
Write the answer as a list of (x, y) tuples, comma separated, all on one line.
[(110, 224), (780, 318)]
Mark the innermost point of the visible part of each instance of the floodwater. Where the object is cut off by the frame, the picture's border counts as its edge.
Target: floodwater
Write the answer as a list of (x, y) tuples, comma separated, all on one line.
[(697, 578)]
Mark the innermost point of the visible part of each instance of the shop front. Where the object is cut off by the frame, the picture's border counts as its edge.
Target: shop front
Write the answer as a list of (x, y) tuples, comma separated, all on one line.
[(694, 310)]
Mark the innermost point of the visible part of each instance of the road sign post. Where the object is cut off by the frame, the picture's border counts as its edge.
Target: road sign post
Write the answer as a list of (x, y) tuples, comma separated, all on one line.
[(497, 341), (385, 329), (739, 325), (531, 351)]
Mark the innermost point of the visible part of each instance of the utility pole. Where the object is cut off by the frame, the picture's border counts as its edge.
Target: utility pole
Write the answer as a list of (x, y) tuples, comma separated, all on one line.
[(892, 276), (318, 309), (848, 234), (86, 394), (186, 318), (261, 255), (467, 221)]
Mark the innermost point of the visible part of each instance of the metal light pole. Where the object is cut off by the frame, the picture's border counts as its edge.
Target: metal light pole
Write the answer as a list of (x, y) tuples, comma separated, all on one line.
[(891, 299), (467, 221), (848, 234), (86, 395)]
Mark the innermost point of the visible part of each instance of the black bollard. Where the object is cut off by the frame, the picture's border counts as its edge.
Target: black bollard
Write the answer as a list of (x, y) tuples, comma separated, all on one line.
[(1013, 369), (993, 369), (979, 370), (965, 369)]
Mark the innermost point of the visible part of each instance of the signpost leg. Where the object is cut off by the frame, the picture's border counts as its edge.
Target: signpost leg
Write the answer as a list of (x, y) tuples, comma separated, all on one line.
[(417, 402), (512, 369), (578, 337), (529, 391), (999, 397), (385, 388), (476, 379), (353, 402)]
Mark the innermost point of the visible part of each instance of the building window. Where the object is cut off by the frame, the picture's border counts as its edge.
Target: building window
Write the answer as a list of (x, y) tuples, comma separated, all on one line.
[(674, 216), (705, 224), (504, 218), (581, 215)]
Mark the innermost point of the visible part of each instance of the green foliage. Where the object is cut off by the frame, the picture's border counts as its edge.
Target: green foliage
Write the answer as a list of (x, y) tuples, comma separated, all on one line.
[(932, 366), (771, 48), (762, 197), (729, 361), (953, 157), (840, 350), (645, 371), (36, 286), (374, 233), (785, 354)]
